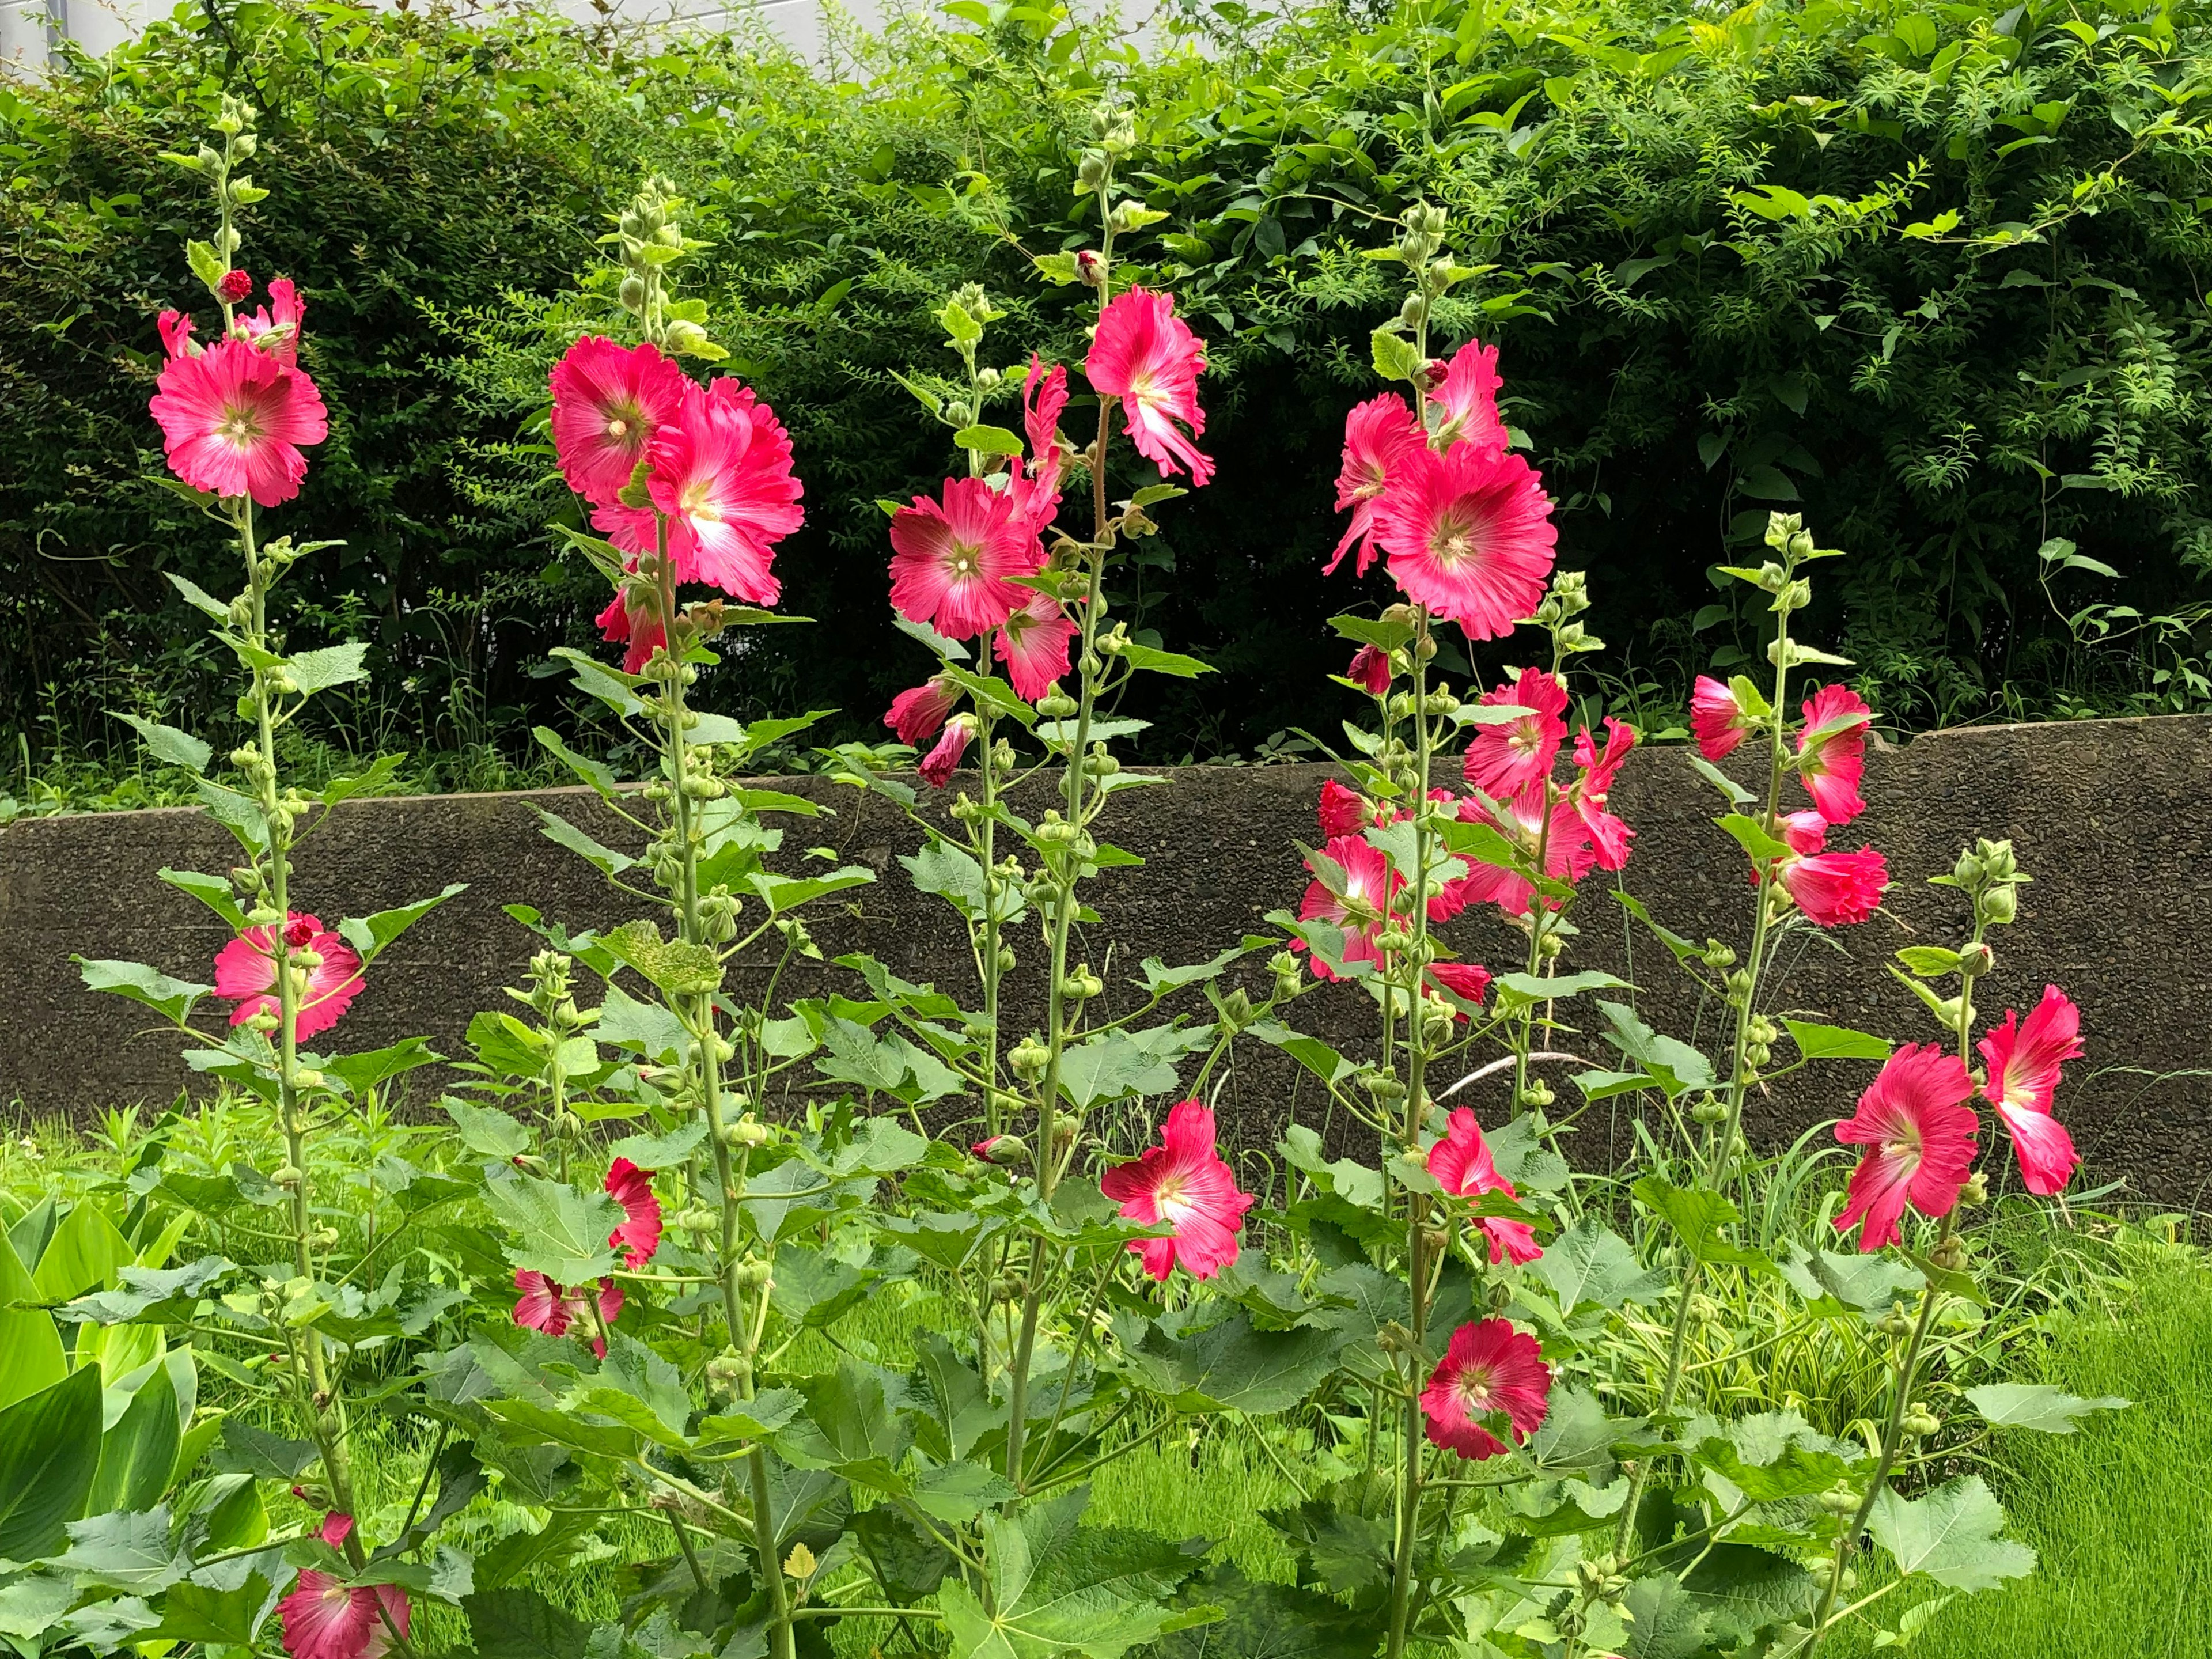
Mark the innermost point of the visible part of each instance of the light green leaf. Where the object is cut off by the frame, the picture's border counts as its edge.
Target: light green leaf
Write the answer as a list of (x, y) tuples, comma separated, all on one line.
[(1697, 1215), (370, 935), (166, 743), (1950, 1535), (1163, 662), (2037, 1406), (1835, 1042), (1590, 1265), (172, 999), (49, 1452), (331, 665), (563, 1231), (989, 440)]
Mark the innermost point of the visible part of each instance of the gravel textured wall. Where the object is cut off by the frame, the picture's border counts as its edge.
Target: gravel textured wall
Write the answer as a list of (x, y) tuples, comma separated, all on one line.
[(2110, 817)]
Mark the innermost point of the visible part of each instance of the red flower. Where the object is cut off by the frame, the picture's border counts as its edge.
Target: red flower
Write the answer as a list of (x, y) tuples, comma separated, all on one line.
[(1506, 760), (1342, 811), (1462, 1164), (1467, 981), (1378, 435), (323, 1618), (608, 402), (953, 563), (1466, 400), (1371, 670), (1490, 1369), (1717, 718), (939, 765), (275, 328), (176, 334), (1805, 831), (1832, 751), (1608, 835), (1035, 643), (1836, 889), (234, 419), (1043, 396), (1362, 908), (551, 1308), (632, 619), (1470, 535), (919, 714), (234, 286), (1922, 1135), (246, 973), (1567, 853), (639, 1236), (2024, 1058), (1183, 1182), (1146, 355)]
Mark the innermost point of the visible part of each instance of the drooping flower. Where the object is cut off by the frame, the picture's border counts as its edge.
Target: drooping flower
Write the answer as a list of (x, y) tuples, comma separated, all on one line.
[(953, 560), (323, 1618), (1464, 404), (1504, 760), (939, 765), (1371, 671), (919, 714), (1470, 535), (608, 402), (1146, 355), (1361, 910), (1462, 1164), (1342, 811), (176, 334), (632, 619), (1568, 855), (1035, 641), (2023, 1057), (234, 419), (1044, 396), (275, 327), (553, 1308), (1920, 1137), (1836, 890), (1378, 435), (1832, 751), (1609, 836), (1489, 1369), (1717, 718), (246, 973), (1184, 1184), (639, 1236)]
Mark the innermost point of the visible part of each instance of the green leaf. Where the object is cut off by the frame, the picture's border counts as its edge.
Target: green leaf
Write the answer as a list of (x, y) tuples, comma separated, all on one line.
[(1261, 1621), (214, 1618), (31, 1355), (660, 1151), (597, 774), (1395, 357), (1929, 961), (331, 665), (1664, 1619), (49, 1453), (487, 1130), (2037, 1406), (989, 440), (1697, 1215), (137, 1454), (172, 999), (166, 743), (1383, 633), (377, 773), (1751, 836), (1232, 1366), (1869, 1285), (370, 935), (248, 1451), (564, 1232), (84, 1254), (213, 892), (1835, 1042), (1950, 1535), (1734, 792), (1163, 662), (206, 264), (520, 1624), (1590, 1265), (125, 1552)]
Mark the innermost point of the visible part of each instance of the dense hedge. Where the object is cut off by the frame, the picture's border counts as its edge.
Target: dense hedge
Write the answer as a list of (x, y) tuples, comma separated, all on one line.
[(1932, 274)]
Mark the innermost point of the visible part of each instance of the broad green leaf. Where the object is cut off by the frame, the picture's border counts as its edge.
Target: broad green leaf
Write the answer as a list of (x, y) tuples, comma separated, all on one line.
[(1950, 1535), (214, 1618), (1590, 1265), (2037, 1406), (1751, 836), (31, 1355), (1870, 1285), (486, 1130), (214, 891), (332, 665), (1835, 1042), (989, 440), (520, 1624), (1261, 1621), (49, 1453), (172, 999), (1697, 1215), (167, 744), (1232, 1366), (137, 1454), (1929, 961), (604, 859), (1665, 1621), (371, 935), (597, 774), (1163, 662), (124, 1551), (563, 1231), (661, 1151), (267, 1456)]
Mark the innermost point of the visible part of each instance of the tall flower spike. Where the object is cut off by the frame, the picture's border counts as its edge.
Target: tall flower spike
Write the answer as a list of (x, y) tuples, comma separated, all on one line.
[(1462, 1164), (953, 563), (1919, 1134), (1490, 1369), (1465, 402), (1832, 751), (1504, 760), (1183, 1184), (234, 421), (1146, 355), (2023, 1057), (246, 973), (1378, 435), (608, 401), (1470, 535)]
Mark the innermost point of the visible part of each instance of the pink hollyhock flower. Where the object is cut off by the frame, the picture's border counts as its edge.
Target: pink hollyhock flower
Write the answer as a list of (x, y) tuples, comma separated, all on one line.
[(1717, 718), (1146, 355), (1467, 981), (1608, 835), (632, 619), (953, 563), (322, 1618), (920, 714), (2024, 1058), (553, 1308), (639, 1236), (1490, 1369), (1466, 400), (275, 328), (1378, 435), (246, 973), (608, 402), (1004, 1151), (1342, 811), (1183, 1182), (1836, 889), (1914, 1118), (1462, 1164), (176, 334), (1832, 751), (1035, 643), (1362, 908), (233, 420), (1371, 671), (1506, 760), (1470, 535), (1044, 398), (939, 765), (1567, 853), (1804, 832)]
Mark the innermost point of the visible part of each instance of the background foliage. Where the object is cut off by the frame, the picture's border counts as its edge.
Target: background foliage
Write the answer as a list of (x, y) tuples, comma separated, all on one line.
[(1932, 271)]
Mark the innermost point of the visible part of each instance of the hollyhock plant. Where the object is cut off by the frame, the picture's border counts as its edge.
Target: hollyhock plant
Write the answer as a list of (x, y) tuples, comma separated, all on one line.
[(608, 400), (1146, 355), (1183, 1183), (1506, 760), (1378, 435), (639, 1236), (555, 1308), (939, 765), (1831, 752), (1371, 671), (1716, 719), (1360, 909), (2024, 1058), (1490, 1369), (234, 421), (1920, 1134), (246, 973), (1036, 642), (1462, 1165), (954, 561), (1470, 535), (322, 1618), (1463, 404), (919, 714)]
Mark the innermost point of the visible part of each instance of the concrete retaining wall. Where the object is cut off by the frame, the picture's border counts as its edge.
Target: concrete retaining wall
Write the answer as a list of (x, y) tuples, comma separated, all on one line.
[(2110, 817)]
